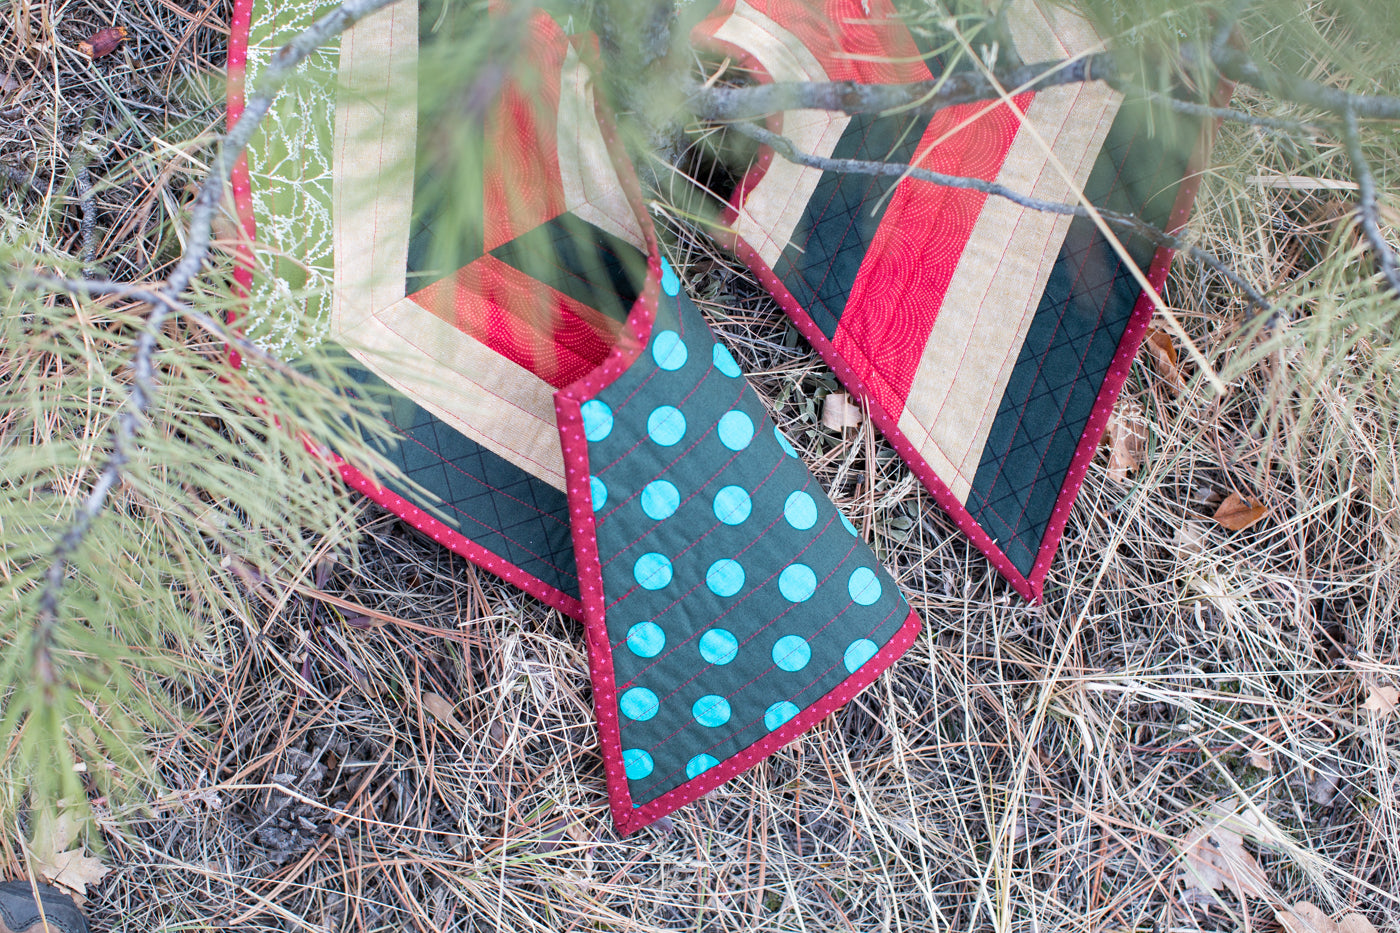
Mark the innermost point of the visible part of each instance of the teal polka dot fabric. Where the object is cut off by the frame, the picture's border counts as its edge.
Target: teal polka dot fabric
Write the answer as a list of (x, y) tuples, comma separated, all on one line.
[(736, 594)]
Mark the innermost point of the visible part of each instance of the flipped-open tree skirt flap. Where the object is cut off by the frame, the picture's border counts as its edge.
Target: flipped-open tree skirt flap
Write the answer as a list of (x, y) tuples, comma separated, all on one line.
[(988, 339), (564, 413)]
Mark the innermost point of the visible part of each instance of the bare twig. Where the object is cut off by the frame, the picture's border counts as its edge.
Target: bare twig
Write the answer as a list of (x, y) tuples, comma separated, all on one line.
[(82, 182), (741, 103), (1194, 109), (1367, 211), (1126, 222), (164, 302), (1238, 66), (926, 97)]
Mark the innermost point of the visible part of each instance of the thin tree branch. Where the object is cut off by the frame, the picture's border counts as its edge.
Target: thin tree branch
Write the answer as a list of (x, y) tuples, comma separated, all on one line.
[(1237, 66), (785, 148), (1367, 210), (1193, 109), (82, 183), (742, 103), (723, 104), (164, 302)]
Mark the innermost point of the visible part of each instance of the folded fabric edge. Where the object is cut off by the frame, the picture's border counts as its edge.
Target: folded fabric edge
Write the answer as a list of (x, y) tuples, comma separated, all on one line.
[(627, 817)]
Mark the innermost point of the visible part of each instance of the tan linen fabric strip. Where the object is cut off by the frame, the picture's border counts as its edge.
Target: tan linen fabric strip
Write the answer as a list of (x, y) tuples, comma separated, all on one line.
[(480, 393), (773, 207), (592, 189), (502, 406), (1002, 273)]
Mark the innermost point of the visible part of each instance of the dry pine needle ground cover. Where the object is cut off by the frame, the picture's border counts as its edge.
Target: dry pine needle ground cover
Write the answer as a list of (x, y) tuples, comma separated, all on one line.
[(1197, 730)]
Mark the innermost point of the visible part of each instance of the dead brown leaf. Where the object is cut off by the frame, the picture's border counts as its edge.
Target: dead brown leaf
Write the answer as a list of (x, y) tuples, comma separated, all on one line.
[(1216, 858), (1309, 918), (1235, 514), (103, 42), (839, 412), (1164, 359), (1354, 922), (1382, 700), (444, 712), (1126, 435), (72, 870), (1306, 918), (56, 859)]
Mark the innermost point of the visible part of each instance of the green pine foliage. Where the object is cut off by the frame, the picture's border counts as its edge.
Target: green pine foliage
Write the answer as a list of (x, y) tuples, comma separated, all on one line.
[(229, 479), (227, 482)]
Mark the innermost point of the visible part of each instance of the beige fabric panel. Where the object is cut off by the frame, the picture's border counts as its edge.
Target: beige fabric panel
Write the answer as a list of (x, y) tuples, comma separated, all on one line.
[(502, 406), (1002, 273), (480, 393), (375, 144), (592, 189), (773, 207)]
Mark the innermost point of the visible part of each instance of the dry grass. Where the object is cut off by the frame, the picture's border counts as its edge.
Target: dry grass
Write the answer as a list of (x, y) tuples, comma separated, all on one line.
[(1022, 768)]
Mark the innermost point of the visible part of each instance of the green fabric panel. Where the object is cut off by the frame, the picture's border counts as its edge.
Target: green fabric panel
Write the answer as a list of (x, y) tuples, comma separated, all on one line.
[(814, 605), (289, 166)]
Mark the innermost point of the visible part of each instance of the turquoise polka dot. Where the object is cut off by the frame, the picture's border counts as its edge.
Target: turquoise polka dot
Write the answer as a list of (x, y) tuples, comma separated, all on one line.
[(639, 704), (779, 713), (800, 510), (666, 425), (724, 361), (597, 419), (652, 571), (797, 583), (858, 652), (599, 492), (849, 527), (712, 710), (718, 646), (638, 763), (864, 586), (670, 282), (646, 639), (784, 444), (791, 652), (699, 765), (735, 430), (669, 351), (725, 577), (732, 505), (660, 499)]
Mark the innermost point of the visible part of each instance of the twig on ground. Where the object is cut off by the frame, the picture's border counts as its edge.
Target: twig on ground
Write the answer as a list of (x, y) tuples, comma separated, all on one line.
[(1367, 211), (784, 147)]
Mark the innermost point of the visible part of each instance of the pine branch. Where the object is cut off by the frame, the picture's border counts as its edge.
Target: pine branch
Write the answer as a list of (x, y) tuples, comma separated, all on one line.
[(1126, 222), (165, 301), (1367, 211)]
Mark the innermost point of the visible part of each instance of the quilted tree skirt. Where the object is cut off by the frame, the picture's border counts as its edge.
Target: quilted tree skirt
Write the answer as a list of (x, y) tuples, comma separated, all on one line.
[(566, 418)]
